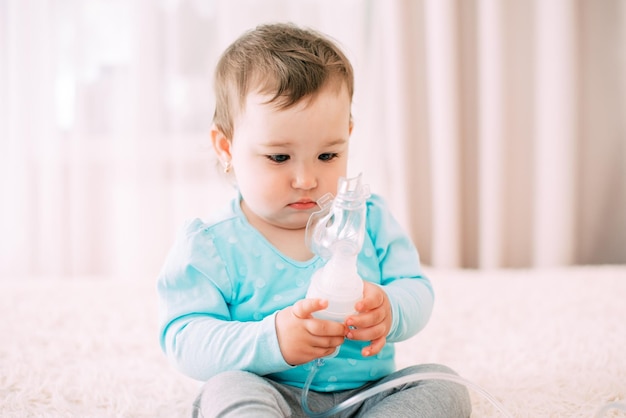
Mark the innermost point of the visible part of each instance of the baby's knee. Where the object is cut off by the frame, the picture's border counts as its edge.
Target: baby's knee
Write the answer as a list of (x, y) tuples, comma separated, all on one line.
[(232, 384), (231, 380), (240, 394), (430, 368), (451, 391)]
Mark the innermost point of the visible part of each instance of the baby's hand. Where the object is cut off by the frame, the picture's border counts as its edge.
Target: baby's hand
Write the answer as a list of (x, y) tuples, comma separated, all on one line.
[(373, 322), (303, 338)]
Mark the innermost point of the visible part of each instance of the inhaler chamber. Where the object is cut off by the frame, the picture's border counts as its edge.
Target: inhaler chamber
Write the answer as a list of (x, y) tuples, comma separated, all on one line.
[(336, 234), (340, 223)]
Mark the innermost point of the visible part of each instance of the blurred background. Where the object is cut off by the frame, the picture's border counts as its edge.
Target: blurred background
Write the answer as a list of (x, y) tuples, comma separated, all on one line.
[(496, 129)]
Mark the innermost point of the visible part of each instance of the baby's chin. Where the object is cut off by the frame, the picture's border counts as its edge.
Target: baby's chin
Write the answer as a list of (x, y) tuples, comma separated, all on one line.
[(291, 226), (292, 223)]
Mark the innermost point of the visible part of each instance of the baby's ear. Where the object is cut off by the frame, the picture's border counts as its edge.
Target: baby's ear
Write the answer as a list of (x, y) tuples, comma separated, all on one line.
[(221, 144)]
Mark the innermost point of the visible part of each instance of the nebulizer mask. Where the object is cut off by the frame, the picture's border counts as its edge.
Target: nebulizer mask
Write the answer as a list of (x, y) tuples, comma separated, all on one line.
[(336, 234)]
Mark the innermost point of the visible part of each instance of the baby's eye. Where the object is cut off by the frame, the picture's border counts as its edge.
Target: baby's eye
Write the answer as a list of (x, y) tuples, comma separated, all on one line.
[(328, 156), (278, 158)]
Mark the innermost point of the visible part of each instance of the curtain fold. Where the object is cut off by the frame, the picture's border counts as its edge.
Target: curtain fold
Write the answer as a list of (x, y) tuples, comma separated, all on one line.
[(525, 127), (555, 130), (495, 129)]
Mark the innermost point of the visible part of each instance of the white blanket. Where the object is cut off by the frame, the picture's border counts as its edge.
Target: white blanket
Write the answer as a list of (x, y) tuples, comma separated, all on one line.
[(545, 343)]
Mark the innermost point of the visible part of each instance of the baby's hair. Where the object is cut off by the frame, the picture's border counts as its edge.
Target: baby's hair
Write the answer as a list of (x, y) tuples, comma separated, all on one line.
[(281, 60)]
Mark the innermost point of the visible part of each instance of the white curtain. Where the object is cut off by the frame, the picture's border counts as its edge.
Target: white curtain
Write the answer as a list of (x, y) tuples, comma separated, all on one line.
[(517, 131), (496, 129)]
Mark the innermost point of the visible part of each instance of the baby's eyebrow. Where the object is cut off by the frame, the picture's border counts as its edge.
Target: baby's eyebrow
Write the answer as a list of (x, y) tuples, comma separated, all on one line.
[(338, 141), (281, 144), (286, 144)]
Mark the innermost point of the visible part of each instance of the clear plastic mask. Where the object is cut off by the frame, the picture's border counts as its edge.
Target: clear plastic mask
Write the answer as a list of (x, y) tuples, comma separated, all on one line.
[(339, 226)]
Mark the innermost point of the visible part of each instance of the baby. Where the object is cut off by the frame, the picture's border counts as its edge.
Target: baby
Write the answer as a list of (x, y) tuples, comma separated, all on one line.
[(233, 311)]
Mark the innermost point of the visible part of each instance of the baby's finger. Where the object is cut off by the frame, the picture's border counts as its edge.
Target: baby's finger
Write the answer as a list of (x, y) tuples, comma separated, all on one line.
[(366, 334), (373, 297), (366, 320), (328, 342), (304, 308), (325, 328), (375, 347)]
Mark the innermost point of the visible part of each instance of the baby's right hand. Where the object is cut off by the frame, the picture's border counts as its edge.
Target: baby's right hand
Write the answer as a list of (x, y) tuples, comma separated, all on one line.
[(302, 337)]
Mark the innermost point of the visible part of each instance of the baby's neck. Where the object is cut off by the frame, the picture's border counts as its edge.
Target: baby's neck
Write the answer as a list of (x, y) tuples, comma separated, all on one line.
[(290, 242)]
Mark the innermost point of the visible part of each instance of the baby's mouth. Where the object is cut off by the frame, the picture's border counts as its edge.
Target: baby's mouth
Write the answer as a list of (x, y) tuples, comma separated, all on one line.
[(304, 204)]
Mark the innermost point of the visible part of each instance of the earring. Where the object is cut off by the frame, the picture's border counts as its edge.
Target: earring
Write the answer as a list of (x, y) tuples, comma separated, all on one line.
[(227, 166)]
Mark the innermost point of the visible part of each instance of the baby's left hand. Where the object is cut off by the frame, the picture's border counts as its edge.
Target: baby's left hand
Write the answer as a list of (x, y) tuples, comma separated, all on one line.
[(373, 322)]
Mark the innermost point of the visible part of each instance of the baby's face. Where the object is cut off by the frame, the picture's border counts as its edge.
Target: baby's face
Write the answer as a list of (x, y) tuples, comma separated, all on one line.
[(285, 160)]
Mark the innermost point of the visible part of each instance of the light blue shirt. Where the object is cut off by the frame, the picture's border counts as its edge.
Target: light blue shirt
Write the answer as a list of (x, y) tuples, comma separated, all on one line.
[(223, 283)]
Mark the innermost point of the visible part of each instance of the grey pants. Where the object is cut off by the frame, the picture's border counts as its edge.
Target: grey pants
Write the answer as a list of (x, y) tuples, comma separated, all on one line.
[(243, 394)]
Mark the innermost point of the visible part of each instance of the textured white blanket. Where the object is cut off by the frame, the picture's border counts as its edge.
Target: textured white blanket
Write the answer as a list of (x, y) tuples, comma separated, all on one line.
[(545, 343)]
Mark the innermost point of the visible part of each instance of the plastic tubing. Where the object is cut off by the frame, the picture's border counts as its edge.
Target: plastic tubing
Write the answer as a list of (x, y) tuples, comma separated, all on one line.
[(413, 377), (611, 405)]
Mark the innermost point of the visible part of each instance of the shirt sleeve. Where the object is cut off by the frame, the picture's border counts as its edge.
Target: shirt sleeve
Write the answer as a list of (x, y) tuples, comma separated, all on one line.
[(409, 291), (196, 330)]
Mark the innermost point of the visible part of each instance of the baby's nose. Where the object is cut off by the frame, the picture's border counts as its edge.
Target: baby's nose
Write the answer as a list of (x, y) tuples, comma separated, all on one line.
[(304, 178)]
